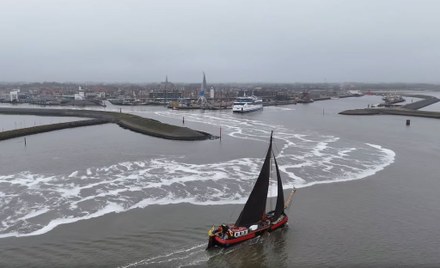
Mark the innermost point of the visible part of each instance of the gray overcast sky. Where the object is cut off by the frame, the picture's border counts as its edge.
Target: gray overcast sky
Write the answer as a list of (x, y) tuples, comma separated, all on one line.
[(231, 40)]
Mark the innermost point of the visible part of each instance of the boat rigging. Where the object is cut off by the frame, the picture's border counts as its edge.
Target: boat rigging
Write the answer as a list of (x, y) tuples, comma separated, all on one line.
[(254, 220)]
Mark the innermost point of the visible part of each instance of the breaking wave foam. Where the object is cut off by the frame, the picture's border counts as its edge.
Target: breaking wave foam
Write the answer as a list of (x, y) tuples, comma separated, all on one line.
[(34, 204)]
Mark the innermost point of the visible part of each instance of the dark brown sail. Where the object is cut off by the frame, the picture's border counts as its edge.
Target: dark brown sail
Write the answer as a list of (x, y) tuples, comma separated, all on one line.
[(254, 221), (255, 206), (279, 208)]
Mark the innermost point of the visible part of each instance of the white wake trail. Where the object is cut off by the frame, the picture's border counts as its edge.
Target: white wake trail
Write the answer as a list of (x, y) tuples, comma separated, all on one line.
[(33, 204)]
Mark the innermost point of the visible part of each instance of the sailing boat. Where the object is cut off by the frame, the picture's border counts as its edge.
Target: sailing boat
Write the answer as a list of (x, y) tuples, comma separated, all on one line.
[(254, 220)]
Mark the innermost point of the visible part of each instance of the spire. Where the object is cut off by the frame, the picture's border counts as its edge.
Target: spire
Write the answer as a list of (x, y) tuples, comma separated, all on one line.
[(203, 87), (202, 100), (204, 82)]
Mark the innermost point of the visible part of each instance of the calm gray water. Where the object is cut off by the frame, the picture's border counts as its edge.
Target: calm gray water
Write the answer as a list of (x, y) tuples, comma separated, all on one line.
[(105, 196)]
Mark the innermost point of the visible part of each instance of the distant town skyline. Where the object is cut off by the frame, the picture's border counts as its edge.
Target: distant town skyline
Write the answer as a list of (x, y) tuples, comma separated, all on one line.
[(243, 41)]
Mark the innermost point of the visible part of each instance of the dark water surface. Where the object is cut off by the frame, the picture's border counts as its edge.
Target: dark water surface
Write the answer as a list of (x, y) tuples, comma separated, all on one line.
[(105, 196)]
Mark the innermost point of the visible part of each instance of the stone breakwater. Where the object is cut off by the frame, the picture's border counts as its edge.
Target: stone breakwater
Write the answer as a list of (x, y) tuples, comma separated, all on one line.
[(406, 110), (392, 111), (426, 101), (132, 122)]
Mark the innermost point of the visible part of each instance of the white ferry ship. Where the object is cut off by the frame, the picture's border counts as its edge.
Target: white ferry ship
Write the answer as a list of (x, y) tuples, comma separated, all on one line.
[(247, 104)]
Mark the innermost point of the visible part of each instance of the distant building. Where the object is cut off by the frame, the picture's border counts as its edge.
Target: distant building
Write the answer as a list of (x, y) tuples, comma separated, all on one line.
[(355, 92), (168, 95), (166, 92), (80, 96), (14, 95), (211, 93)]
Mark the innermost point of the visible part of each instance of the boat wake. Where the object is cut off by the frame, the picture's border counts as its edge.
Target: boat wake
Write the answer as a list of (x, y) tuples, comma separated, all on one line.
[(177, 258), (279, 108), (197, 256), (34, 204)]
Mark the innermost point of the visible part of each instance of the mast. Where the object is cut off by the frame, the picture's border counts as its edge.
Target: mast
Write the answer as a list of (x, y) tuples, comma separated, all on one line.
[(255, 207)]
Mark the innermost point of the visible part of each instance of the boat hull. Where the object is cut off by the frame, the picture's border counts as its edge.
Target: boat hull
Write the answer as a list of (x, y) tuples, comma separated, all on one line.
[(217, 241), (247, 109)]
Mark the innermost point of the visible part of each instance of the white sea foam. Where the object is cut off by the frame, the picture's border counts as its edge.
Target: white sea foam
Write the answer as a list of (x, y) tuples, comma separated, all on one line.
[(109, 208), (33, 204), (73, 174), (34, 213)]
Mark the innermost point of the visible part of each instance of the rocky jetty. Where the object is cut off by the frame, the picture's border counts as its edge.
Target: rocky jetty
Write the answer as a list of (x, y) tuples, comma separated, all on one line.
[(410, 109)]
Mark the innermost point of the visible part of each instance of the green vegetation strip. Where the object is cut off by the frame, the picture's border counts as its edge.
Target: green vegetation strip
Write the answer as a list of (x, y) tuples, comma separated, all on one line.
[(129, 121)]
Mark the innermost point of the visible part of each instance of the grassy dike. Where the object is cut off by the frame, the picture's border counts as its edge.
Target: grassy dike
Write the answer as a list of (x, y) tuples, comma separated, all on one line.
[(10, 134), (129, 121)]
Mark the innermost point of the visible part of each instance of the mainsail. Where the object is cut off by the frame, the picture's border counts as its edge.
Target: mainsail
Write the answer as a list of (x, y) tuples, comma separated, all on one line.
[(255, 207)]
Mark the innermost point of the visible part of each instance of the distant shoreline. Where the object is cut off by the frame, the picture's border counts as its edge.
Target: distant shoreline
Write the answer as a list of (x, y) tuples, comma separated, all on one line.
[(132, 122)]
